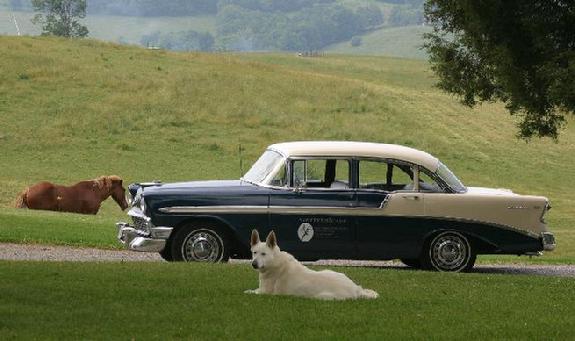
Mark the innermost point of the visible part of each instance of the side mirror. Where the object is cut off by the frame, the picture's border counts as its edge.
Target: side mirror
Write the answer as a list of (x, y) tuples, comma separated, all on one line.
[(298, 188)]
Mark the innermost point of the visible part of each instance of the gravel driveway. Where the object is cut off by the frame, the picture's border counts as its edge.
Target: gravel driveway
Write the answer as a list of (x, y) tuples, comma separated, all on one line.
[(64, 253)]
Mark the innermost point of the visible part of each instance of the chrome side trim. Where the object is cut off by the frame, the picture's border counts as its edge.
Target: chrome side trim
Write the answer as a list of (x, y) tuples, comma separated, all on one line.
[(384, 202), (533, 254), (274, 209), (321, 210)]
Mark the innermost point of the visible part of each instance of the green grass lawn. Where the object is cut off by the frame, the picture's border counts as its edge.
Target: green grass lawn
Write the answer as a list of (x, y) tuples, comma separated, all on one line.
[(75, 109), (27, 226), (199, 301)]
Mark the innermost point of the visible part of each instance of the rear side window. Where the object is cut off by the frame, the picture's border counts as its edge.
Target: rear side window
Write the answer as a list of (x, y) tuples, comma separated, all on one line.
[(385, 176)]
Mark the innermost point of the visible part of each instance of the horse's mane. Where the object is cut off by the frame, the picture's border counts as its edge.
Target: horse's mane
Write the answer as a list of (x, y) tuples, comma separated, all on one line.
[(105, 182)]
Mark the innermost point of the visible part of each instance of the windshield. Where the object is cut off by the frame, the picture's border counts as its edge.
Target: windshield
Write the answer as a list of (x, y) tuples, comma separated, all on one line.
[(266, 166), (450, 179)]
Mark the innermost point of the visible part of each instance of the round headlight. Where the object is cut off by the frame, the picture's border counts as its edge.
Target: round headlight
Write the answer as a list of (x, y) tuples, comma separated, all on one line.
[(129, 199), (142, 205)]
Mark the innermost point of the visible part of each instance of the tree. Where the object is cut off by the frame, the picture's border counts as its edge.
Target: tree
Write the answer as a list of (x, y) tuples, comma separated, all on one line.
[(520, 52), (60, 17)]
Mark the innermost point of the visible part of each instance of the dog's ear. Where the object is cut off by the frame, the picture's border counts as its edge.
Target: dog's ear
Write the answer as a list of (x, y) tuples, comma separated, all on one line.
[(255, 237), (271, 240)]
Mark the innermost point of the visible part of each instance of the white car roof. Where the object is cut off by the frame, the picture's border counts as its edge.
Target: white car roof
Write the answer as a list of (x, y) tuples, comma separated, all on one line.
[(357, 149)]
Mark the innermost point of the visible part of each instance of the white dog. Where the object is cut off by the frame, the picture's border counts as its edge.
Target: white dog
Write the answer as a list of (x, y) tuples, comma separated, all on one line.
[(282, 274)]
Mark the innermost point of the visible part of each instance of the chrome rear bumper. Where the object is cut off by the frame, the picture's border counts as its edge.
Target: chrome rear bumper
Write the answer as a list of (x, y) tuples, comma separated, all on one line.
[(139, 240), (548, 240)]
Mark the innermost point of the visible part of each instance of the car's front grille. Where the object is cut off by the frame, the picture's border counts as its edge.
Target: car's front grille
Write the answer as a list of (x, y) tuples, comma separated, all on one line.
[(140, 223)]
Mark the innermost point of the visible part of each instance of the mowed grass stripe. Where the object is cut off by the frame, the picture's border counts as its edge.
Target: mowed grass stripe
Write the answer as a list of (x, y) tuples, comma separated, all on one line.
[(26, 226), (206, 301)]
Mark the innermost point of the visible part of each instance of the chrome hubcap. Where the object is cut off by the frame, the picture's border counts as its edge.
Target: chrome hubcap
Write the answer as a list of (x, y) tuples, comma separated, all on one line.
[(202, 246), (449, 252)]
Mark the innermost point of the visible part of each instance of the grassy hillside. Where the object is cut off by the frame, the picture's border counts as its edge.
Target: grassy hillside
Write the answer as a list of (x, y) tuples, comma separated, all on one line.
[(403, 42), (73, 110)]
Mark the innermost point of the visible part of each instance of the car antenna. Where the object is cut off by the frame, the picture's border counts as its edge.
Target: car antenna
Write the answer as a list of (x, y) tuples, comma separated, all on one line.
[(241, 160)]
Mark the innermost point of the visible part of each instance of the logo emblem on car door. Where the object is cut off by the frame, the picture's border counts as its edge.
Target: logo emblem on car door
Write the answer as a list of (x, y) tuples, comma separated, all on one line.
[(305, 232)]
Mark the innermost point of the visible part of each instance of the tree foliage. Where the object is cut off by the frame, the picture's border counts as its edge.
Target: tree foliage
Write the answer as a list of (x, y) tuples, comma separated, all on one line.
[(521, 52), (406, 15), (310, 28), (60, 17), (273, 5), (150, 8)]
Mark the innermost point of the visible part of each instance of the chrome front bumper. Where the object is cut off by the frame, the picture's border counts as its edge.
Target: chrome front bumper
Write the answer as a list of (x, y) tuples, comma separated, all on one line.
[(133, 239), (548, 241)]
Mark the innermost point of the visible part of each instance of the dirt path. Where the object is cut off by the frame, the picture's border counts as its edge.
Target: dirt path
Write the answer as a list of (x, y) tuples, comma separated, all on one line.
[(26, 252)]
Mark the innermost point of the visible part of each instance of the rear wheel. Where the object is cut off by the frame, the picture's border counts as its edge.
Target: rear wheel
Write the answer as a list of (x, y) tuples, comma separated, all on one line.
[(448, 251), (200, 242)]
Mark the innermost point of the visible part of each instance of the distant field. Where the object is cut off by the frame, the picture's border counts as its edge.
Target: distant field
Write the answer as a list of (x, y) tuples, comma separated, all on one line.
[(115, 28), (73, 110), (403, 42), (135, 301)]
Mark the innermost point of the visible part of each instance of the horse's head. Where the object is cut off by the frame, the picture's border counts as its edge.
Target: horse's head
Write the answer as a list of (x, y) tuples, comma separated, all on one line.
[(116, 190)]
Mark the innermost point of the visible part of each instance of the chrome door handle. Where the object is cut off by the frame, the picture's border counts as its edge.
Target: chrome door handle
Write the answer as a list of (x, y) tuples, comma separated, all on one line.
[(411, 197)]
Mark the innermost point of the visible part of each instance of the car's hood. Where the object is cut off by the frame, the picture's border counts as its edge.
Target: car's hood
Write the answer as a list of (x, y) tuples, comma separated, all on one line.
[(158, 186), (205, 193), (204, 184), (186, 187), (489, 191)]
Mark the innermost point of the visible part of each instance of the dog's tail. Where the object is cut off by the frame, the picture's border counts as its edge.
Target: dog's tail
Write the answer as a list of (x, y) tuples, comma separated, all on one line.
[(20, 201), (368, 293)]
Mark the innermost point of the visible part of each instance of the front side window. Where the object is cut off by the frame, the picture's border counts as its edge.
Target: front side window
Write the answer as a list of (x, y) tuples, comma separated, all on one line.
[(280, 177), (321, 173), (385, 176)]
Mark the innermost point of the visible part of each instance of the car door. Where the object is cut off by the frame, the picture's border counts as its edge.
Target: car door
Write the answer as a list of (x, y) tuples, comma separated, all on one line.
[(389, 209), (314, 214)]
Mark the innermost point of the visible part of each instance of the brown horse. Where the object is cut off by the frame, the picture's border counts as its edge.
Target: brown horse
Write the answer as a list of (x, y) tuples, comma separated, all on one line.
[(84, 197)]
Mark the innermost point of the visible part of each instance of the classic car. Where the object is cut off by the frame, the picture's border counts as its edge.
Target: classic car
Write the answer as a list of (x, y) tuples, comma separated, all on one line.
[(338, 200)]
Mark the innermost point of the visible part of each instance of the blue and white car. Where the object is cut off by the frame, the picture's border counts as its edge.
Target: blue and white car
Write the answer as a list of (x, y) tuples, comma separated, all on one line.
[(338, 200)]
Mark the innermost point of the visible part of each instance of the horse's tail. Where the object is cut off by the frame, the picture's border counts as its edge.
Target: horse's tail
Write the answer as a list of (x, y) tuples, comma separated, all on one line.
[(21, 200)]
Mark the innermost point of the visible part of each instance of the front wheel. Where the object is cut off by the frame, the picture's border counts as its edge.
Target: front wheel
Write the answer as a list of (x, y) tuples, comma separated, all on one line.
[(448, 251), (200, 243)]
